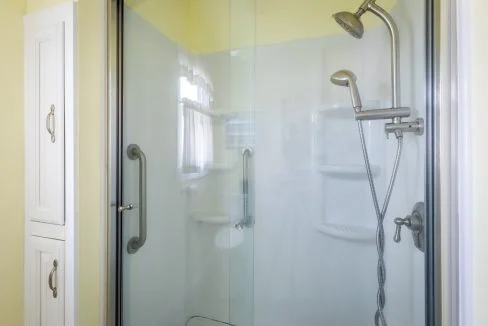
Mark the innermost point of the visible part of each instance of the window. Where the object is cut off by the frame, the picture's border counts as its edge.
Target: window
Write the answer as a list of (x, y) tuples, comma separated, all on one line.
[(196, 126)]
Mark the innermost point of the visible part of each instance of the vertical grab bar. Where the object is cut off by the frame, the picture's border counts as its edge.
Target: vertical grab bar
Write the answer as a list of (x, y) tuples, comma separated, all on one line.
[(135, 243), (247, 220)]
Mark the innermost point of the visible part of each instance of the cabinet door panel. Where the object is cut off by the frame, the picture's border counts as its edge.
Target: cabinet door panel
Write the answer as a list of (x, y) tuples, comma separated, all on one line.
[(44, 116), (45, 293)]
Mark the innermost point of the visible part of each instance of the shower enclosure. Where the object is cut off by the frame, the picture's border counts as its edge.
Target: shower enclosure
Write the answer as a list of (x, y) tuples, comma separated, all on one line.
[(239, 192)]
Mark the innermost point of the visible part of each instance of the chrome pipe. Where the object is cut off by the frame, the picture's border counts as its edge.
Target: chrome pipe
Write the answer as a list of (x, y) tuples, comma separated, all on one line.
[(381, 114), (364, 7), (395, 50)]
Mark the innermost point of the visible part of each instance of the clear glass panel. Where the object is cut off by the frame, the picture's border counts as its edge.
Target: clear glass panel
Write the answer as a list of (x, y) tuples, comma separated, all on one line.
[(154, 277), (315, 250), (259, 210), (189, 106)]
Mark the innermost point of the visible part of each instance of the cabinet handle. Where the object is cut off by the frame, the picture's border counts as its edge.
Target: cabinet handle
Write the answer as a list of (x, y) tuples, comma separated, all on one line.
[(51, 117), (135, 153), (50, 281)]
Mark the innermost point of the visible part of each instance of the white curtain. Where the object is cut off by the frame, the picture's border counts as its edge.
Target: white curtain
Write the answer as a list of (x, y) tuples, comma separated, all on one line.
[(197, 123)]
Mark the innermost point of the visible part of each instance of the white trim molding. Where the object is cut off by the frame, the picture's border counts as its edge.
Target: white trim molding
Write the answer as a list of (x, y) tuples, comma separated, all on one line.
[(463, 114), (473, 136), (71, 186)]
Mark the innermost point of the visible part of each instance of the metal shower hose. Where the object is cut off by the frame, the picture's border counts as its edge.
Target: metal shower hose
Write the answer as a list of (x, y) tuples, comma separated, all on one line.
[(379, 318)]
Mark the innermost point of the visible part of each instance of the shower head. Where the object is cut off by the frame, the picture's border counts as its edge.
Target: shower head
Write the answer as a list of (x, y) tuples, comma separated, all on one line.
[(350, 22), (348, 79)]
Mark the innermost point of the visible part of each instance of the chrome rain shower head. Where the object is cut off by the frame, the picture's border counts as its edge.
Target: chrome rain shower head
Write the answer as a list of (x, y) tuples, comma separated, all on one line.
[(348, 79), (350, 22)]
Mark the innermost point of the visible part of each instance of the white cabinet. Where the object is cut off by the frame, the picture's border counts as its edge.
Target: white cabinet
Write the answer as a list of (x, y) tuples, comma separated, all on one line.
[(50, 200), (45, 279), (44, 119)]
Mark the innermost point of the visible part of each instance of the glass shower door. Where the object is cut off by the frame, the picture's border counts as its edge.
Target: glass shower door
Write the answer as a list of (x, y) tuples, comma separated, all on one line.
[(246, 196), (188, 137), (153, 276)]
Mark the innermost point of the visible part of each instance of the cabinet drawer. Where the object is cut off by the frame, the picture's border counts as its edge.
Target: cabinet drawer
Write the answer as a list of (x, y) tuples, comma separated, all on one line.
[(44, 121), (45, 284)]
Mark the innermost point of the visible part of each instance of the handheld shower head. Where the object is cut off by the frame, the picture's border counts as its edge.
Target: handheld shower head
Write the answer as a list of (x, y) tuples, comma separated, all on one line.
[(348, 79)]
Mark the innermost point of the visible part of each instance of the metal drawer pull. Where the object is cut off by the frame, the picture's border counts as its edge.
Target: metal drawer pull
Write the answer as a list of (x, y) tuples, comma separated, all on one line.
[(50, 281), (51, 129), (135, 153)]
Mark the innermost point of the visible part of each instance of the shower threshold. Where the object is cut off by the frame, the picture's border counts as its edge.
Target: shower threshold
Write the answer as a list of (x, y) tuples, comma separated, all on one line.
[(205, 321)]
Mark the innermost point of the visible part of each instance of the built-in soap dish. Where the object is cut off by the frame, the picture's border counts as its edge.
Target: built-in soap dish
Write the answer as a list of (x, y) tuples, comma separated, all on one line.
[(348, 171), (210, 218)]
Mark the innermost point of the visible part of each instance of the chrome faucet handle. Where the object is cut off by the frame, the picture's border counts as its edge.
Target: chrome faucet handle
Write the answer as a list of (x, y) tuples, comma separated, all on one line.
[(415, 223), (407, 221)]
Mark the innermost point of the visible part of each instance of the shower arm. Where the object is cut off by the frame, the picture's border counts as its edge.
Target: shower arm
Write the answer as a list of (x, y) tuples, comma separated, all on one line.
[(395, 49), (396, 113), (364, 7)]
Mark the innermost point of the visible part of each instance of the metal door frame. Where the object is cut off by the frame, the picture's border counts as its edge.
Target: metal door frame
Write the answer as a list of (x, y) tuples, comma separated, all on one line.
[(115, 45)]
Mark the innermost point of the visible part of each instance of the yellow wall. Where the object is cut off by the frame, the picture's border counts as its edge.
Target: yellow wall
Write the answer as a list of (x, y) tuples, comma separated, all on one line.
[(36, 5), (12, 162), (167, 15), (90, 112), (216, 25)]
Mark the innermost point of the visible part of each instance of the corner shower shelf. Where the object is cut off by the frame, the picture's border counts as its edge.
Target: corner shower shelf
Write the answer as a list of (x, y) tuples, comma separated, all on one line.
[(210, 218), (231, 113), (221, 114), (348, 232), (350, 171)]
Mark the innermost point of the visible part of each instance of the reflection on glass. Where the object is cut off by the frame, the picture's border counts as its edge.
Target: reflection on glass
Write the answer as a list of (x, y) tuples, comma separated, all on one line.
[(195, 96)]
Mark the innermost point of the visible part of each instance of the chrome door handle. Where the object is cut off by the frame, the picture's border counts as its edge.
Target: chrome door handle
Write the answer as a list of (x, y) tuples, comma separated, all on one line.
[(50, 280), (135, 153), (122, 209), (51, 117), (247, 219)]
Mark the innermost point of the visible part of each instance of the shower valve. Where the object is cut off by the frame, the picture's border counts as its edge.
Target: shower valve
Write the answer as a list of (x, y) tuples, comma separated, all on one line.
[(416, 127), (415, 223)]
